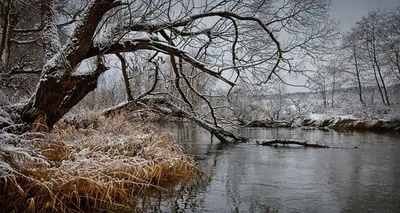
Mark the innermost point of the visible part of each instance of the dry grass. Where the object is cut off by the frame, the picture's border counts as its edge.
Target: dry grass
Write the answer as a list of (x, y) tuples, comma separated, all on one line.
[(100, 169)]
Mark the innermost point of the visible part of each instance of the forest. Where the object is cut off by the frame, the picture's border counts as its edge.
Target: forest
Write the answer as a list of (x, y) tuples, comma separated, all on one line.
[(82, 82)]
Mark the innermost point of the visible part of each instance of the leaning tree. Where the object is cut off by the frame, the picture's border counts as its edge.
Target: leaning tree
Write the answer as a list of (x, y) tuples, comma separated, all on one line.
[(247, 41)]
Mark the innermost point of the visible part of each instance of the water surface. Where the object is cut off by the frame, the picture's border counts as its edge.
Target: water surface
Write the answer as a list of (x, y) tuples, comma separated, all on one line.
[(250, 178)]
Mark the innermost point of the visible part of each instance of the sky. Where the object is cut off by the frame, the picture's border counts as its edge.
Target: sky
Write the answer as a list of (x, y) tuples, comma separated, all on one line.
[(348, 12), (351, 11)]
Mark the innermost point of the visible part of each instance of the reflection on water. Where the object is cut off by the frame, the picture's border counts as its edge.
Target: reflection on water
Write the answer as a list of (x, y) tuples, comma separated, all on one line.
[(249, 178)]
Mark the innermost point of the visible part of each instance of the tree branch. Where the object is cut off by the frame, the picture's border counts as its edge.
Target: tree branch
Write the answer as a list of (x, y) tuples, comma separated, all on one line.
[(147, 44)]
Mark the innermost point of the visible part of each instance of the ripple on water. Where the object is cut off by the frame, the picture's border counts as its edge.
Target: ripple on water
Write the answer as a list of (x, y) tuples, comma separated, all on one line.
[(249, 178)]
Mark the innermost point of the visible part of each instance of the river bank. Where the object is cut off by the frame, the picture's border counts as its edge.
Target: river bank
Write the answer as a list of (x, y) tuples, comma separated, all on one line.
[(334, 122), (350, 123), (92, 169)]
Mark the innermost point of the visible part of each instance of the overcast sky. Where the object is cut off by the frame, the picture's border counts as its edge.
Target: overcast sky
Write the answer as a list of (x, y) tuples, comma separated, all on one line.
[(351, 11), (348, 12)]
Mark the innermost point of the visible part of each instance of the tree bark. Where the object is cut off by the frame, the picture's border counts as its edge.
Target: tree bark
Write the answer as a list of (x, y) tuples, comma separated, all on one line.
[(51, 38), (358, 76), (59, 90), (125, 76), (397, 64), (333, 92), (373, 64), (10, 20), (57, 96), (381, 78), (378, 85)]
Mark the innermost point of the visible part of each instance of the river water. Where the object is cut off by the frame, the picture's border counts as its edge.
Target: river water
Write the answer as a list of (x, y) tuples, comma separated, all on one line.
[(250, 178)]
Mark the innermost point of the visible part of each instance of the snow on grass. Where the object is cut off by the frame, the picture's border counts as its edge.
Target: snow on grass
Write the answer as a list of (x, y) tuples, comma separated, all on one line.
[(89, 169)]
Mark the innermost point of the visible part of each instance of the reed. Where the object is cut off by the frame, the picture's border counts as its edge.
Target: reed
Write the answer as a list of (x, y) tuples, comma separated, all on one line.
[(93, 169)]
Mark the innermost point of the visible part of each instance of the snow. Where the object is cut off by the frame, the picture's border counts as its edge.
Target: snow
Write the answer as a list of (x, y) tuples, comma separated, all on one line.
[(4, 121), (4, 166), (83, 69), (21, 155), (324, 116), (51, 37), (318, 119), (3, 99), (7, 138)]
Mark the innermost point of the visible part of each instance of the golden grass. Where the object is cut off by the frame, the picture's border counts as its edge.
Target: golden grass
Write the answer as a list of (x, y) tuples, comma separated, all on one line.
[(72, 170)]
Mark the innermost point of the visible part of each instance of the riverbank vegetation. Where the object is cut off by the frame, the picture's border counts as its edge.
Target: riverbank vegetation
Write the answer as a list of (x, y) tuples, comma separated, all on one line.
[(90, 169), (219, 64), (306, 109)]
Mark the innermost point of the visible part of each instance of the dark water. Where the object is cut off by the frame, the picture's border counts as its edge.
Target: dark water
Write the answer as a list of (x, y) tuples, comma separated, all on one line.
[(249, 178)]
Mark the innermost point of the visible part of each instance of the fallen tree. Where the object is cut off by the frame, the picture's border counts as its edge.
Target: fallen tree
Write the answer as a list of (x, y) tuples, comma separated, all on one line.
[(166, 108), (268, 124), (277, 142)]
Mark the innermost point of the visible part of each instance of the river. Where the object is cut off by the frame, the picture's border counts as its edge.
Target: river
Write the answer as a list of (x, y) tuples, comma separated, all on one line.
[(250, 178)]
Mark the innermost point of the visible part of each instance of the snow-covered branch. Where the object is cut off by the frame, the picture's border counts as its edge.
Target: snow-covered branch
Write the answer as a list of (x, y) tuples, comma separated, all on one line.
[(148, 44)]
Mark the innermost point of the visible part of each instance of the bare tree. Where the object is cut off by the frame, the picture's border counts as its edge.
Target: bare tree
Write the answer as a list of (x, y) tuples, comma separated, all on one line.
[(336, 70), (370, 26), (276, 103), (233, 40), (389, 36), (373, 44), (245, 106), (351, 43), (300, 104), (318, 82)]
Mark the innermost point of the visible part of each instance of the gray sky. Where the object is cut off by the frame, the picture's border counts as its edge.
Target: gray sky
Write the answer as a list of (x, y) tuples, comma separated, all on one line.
[(351, 11), (348, 12)]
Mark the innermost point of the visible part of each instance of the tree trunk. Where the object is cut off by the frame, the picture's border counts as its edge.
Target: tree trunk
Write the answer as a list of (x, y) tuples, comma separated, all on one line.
[(10, 20), (324, 95), (164, 107), (277, 142), (398, 63), (125, 76), (358, 77), (378, 85), (372, 61), (57, 96), (333, 93), (51, 38), (381, 78), (7, 45), (59, 89)]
